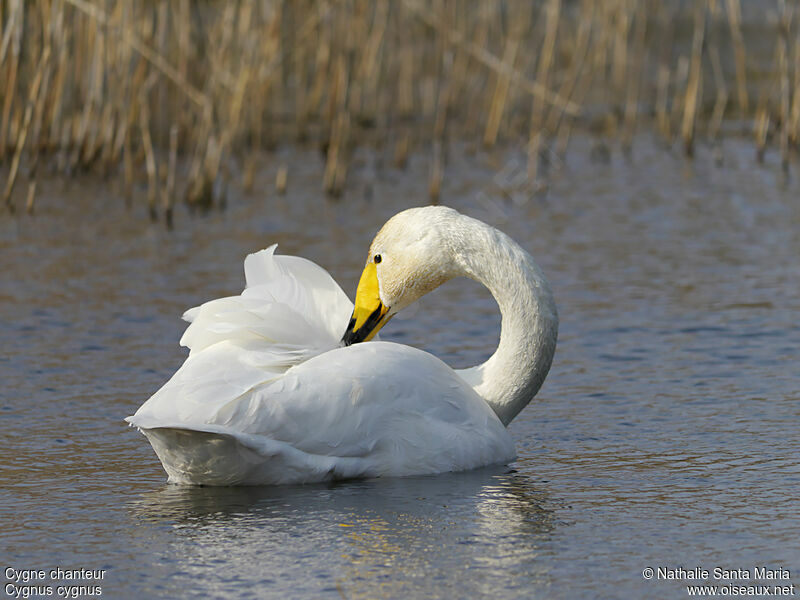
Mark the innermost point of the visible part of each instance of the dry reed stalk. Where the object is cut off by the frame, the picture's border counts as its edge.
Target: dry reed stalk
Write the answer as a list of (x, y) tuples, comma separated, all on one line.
[(500, 96), (444, 68), (279, 89), (59, 42), (735, 22), (322, 63), (437, 173), (722, 94), (213, 185), (120, 135), (401, 149), (760, 130), (12, 27), (160, 125), (23, 132), (230, 128), (96, 96), (266, 46), (537, 132), (664, 74), (249, 173), (12, 37), (622, 15), (639, 17), (124, 147), (442, 105), (405, 96), (336, 164), (427, 96), (783, 73), (198, 192), (679, 83), (111, 131), (183, 19), (563, 136), (167, 200), (30, 198), (299, 65), (281, 179), (150, 159), (721, 102), (38, 114), (602, 50), (81, 123), (693, 91), (794, 115)]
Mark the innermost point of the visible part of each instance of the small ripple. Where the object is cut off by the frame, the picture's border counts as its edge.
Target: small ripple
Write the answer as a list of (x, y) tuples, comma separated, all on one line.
[(93, 348), (621, 358), (747, 305), (770, 333), (701, 329)]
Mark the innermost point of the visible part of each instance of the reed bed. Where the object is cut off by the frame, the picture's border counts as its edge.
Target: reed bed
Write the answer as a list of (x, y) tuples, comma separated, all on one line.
[(178, 97)]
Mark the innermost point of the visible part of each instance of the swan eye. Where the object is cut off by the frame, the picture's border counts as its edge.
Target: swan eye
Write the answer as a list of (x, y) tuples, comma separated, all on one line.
[(377, 259)]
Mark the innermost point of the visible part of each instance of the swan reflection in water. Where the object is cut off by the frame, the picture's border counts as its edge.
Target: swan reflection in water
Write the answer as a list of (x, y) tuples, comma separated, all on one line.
[(400, 534)]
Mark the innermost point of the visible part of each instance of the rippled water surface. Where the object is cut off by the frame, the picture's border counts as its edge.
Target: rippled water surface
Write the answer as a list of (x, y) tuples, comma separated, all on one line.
[(667, 433)]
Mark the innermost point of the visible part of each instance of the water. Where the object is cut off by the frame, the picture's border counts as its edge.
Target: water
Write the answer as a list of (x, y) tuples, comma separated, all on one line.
[(666, 434)]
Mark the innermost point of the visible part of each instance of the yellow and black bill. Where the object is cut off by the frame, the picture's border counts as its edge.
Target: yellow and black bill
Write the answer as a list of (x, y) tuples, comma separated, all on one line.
[(369, 314)]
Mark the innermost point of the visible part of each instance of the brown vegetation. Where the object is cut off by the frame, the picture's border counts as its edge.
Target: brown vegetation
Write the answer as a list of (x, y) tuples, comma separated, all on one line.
[(127, 88)]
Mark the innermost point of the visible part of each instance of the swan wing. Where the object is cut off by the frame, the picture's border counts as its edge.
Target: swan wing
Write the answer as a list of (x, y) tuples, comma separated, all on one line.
[(366, 410), (290, 310), (288, 302)]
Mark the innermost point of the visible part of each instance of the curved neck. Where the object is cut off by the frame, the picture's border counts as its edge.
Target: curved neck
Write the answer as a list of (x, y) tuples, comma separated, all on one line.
[(515, 372)]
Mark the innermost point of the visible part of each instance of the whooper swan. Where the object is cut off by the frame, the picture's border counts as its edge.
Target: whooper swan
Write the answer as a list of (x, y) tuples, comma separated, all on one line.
[(272, 392)]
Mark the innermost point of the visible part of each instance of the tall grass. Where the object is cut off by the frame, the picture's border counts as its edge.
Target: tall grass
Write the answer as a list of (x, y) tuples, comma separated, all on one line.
[(128, 88)]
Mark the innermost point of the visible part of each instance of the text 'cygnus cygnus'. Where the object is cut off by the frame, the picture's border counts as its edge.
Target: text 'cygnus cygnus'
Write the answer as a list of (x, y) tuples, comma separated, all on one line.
[(276, 390)]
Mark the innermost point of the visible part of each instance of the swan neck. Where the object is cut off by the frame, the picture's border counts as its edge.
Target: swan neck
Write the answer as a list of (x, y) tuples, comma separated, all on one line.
[(512, 376)]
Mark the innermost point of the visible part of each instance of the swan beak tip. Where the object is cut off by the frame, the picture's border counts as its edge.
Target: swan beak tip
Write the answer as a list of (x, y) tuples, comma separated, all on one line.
[(365, 331), (349, 336)]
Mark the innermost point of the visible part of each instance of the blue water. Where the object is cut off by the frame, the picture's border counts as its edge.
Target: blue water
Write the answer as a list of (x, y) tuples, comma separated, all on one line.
[(667, 433)]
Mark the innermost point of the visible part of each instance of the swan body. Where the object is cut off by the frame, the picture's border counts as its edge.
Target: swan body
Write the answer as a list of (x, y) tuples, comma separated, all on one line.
[(268, 394)]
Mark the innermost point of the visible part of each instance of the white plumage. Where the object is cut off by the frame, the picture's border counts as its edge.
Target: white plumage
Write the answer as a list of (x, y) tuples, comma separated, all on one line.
[(269, 396)]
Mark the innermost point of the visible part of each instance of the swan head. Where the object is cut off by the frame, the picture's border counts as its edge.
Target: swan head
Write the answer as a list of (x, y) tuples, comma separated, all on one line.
[(409, 257)]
